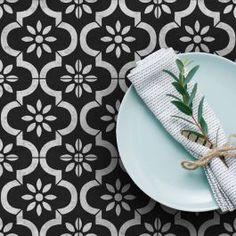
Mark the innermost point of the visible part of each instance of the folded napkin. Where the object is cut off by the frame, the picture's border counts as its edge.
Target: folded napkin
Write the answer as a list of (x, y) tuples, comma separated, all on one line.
[(152, 85)]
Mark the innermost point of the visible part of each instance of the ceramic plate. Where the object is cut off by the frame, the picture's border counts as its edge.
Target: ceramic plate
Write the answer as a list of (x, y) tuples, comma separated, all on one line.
[(152, 157)]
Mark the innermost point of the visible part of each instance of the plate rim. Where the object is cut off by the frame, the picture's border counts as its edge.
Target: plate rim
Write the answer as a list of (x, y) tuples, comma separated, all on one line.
[(126, 166)]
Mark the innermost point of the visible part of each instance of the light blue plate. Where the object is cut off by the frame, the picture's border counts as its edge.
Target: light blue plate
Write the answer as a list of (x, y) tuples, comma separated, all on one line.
[(150, 155)]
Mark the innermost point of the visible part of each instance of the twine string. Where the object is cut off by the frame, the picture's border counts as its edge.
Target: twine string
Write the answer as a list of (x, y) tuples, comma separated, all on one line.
[(227, 150)]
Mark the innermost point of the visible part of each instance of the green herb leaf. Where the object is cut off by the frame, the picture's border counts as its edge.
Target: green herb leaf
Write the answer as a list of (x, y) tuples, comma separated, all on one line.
[(183, 108), (171, 74), (191, 74), (193, 94), (204, 126), (180, 65), (185, 60), (201, 120), (182, 118), (186, 98), (188, 63), (193, 132), (179, 88), (200, 109), (173, 96)]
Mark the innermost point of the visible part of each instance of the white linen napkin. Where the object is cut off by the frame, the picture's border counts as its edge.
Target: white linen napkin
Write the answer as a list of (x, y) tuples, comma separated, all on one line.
[(152, 85)]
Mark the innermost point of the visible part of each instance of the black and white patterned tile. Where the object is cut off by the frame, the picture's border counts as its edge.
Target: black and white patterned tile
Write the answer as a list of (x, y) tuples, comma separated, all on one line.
[(63, 69)]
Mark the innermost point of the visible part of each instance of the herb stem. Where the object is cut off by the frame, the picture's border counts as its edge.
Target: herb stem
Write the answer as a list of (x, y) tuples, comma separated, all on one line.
[(185, 103)]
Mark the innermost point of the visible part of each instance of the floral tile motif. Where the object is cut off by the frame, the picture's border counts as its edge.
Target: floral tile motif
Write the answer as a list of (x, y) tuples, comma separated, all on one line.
[(63, 74)]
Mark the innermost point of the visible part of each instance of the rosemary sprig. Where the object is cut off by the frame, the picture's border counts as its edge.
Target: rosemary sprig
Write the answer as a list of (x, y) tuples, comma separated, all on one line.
[(184, 103)]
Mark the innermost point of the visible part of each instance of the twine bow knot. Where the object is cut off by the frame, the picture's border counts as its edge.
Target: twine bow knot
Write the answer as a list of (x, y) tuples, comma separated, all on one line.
[(226, 150)]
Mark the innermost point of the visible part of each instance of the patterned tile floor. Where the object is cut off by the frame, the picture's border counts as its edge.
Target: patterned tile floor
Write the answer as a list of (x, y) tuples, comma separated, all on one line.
[(63, 74)]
